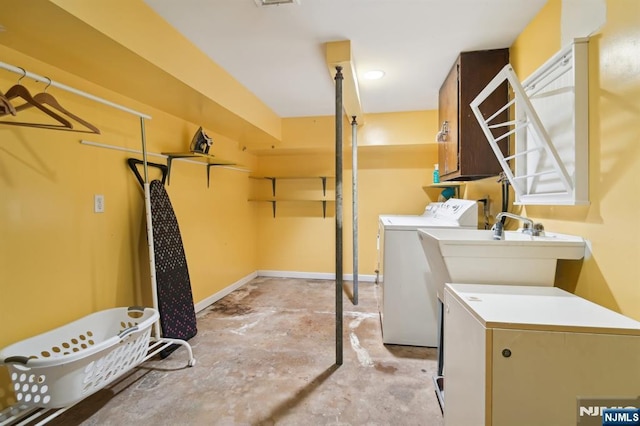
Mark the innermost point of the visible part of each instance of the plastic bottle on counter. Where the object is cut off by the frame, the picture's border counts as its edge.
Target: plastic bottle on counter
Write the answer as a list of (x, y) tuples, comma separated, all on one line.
[(436, 174)]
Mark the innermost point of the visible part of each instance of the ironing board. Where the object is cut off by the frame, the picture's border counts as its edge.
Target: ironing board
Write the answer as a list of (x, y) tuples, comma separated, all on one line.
[(175, 299)]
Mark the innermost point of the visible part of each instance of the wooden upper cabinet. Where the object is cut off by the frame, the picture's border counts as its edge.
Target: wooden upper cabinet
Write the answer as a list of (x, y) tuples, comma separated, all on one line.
[(464, 152)]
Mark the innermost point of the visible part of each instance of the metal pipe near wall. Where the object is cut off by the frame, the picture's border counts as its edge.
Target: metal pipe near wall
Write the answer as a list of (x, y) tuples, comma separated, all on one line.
[(339, 113), (354, 203)]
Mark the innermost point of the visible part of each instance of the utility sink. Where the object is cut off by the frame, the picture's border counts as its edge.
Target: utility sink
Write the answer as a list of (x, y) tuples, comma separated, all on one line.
[(472, 256)]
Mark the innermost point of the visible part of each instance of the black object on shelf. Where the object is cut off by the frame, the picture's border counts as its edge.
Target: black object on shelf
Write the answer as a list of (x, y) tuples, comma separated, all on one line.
[(201, 142)]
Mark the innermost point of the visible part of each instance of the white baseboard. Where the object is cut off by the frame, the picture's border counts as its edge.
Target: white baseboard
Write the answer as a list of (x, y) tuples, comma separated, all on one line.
[(222, 293), (203, 304), (313, 275)]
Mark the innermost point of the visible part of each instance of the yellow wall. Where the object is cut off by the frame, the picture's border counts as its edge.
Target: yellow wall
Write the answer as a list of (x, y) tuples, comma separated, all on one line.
[(539, 41), (299, 239), (125, 46), (317, 134), (60, 261), (53, 240), (390, 180), (610, 275)]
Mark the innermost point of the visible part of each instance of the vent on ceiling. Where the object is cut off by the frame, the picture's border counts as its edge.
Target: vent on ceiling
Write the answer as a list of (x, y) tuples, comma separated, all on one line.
[(260, 3)]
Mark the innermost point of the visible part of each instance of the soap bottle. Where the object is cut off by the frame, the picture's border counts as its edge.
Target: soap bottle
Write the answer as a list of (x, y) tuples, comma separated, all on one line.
[(436, 174)]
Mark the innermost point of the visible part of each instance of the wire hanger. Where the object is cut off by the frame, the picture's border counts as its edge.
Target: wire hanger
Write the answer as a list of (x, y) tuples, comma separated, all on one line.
[(19, 91), (47, 99)]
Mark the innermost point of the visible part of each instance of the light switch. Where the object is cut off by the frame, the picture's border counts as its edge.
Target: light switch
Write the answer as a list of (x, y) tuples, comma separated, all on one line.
[(98, 203)]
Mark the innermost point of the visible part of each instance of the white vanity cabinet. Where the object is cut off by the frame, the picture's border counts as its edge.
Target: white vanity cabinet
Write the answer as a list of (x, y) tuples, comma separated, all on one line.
[(517, 355)]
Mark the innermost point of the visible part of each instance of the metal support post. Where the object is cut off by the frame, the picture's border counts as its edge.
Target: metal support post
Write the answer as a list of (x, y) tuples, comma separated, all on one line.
[(354, 196), (339, 113)]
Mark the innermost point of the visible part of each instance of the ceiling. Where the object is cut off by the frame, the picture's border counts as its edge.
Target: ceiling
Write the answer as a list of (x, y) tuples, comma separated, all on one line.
[(277, 51)]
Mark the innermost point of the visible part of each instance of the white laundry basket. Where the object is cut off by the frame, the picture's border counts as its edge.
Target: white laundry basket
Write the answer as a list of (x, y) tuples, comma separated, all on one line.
[(63, 366)]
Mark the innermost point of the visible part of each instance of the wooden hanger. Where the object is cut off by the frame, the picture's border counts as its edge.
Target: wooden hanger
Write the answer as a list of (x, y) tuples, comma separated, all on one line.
[(48, 99), (45, 98), (19, 91), (6, 107)]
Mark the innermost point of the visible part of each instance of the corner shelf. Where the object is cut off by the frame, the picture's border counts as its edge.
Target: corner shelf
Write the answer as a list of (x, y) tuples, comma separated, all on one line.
[(208, 159), (457, 186), (274, 200)]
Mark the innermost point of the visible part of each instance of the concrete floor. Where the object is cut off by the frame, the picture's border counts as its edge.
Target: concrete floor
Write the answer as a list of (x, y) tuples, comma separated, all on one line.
[(265, 356)]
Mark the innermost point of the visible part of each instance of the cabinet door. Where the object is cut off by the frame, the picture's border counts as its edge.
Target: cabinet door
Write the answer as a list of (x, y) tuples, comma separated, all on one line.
[(448, 112), (477, 159), (539, 383), (466, 154)]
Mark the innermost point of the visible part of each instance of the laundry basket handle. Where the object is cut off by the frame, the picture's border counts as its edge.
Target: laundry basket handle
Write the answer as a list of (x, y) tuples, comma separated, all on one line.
[(124, 333), (16, 359)]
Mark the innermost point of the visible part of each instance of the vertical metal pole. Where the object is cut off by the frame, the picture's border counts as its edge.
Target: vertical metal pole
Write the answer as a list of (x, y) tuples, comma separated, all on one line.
[(354, 203), (339, 113), (147, 209), (143, 135)]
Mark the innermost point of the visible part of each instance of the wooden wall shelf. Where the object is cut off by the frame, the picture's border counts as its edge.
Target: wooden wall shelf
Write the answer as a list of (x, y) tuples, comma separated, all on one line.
[(457, 186), (273, 200), (207, 159), (274, 179)]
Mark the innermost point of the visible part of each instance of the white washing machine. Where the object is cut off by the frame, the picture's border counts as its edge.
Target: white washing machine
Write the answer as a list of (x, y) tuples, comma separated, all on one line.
[(407, 301)]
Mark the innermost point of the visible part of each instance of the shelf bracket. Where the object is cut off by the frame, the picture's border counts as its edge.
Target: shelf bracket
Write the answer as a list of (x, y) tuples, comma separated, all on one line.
[(324, 209), (273, 207), (198, 158), (273, 187), (169, 160), (324, 185)]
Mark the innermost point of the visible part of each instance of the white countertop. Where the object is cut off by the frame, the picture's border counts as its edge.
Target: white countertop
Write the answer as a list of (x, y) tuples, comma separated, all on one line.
[(539, 308)]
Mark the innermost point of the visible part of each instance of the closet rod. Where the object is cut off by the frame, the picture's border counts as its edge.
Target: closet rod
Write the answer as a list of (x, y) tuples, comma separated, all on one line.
[(52, 83)]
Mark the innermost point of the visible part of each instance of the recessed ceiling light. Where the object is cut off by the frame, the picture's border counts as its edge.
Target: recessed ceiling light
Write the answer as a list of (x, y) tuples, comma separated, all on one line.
[(373, 75)]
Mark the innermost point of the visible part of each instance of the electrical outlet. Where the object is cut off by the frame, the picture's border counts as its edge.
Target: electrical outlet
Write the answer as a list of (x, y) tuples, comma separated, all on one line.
[(98, 203)]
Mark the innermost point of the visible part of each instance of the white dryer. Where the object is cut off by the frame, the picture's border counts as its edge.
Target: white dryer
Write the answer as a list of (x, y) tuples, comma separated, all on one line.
[(407, 301)]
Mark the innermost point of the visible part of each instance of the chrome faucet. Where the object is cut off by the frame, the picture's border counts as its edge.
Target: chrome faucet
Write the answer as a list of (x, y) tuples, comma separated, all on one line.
[(528, 226)]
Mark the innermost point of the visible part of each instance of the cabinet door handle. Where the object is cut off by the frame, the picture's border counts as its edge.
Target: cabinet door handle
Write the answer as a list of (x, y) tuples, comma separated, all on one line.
[(506, 352), (443, 134)]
